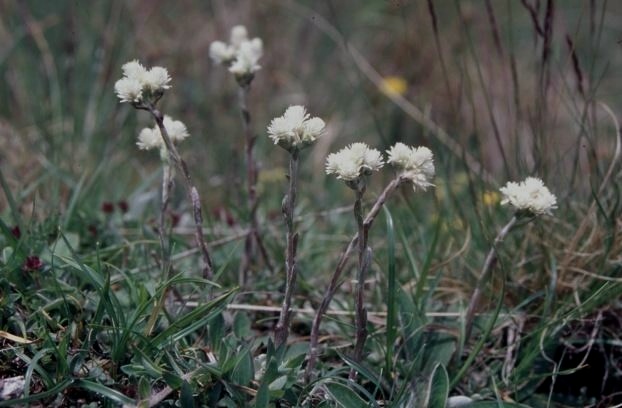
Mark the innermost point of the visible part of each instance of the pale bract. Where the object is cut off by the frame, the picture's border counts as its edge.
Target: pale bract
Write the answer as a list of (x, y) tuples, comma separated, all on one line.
[(416, 164), (530, 195), (295, 129), (354, 162)]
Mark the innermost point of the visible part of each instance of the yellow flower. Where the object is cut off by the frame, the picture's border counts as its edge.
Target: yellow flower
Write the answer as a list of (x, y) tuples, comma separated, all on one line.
[(490, 198), (394, 85)]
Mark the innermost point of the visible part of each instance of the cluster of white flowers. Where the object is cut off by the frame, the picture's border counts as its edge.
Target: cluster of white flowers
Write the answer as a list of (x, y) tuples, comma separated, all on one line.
[(353, 162), (295, 129), (151, 138), (415, 163), (139, 82), (241, 54), (530, 195)]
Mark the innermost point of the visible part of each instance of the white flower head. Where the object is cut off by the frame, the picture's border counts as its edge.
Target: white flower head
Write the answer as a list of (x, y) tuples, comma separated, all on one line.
[(530, 195), (176, 129), (221, 53), (415, 163), (295, 130), (239, 34), (151, 138), (129, 90), (241, 55), (247, 58), (134, 69), (139, 83), (156, 79), (353, 162)]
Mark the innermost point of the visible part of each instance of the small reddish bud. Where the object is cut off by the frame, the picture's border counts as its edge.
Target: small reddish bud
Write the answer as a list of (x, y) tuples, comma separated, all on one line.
[(92, 229), (32, 263), (17, 233), (123, 206), (107, 207), (175, 219)]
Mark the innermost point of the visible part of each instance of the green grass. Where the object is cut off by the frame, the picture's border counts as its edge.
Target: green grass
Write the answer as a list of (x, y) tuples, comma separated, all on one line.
[(100, 324)]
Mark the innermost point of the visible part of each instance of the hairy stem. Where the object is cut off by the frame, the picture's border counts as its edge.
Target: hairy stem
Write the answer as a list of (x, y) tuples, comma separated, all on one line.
[(191, 190), (491, 260), (360, 317), (167, 185), (281, 331), (335, 280)]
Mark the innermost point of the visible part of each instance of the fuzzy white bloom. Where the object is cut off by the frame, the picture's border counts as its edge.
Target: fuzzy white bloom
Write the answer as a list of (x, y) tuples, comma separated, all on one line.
[(156, 79), (239, 34), (241, 54), (176, 129), (129, 89), (354, 161), (135, 70), (295, 129), (220, 53), (247, 58), (529, 195), (138, 82), (416, 164), (151, 138)]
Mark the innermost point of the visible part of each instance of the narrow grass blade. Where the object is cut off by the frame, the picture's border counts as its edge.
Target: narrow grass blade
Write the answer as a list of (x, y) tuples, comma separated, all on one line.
[(106, 392), (438, 388), (58, 388)]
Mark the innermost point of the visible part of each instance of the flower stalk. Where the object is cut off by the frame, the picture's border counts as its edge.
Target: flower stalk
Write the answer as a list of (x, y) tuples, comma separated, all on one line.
[(167, 186), (364, 259), (415, 166), (335, 280), (293, 131), (281, 331), (529, 198), (193, 194), (489, 263)]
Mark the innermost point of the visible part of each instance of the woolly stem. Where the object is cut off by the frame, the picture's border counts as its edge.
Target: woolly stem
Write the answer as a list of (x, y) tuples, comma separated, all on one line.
[(281, 331), (491, 260), (335, 280), (360, 317), (191, 190)]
